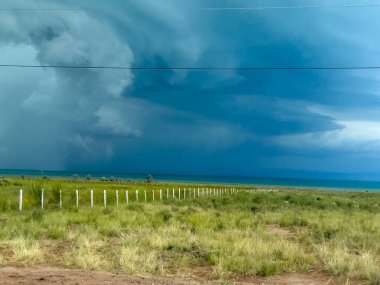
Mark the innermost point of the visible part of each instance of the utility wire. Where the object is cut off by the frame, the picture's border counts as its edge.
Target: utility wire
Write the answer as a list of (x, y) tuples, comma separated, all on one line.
[(210, 9), (39, 9), (332, 68)]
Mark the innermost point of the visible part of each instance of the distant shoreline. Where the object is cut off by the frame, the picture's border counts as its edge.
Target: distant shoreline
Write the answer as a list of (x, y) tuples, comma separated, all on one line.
[(309, 184)]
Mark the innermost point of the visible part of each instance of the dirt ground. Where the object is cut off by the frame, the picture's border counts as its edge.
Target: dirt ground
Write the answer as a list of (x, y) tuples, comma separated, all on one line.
[(46, 275)]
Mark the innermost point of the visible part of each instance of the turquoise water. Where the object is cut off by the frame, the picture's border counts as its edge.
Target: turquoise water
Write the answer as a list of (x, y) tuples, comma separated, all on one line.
[(285, 182)]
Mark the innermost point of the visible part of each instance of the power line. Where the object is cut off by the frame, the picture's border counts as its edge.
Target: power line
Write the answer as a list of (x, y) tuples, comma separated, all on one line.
[(296, 68), (40, 9), (210, 9), (288, 7)]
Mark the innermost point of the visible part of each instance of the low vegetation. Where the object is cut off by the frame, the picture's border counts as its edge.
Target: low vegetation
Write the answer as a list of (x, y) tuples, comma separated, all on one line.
[(249, 233)]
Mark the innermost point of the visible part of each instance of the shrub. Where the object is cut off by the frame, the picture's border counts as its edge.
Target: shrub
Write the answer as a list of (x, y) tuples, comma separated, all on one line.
[(149, 179), (166, 215), (4, 181)]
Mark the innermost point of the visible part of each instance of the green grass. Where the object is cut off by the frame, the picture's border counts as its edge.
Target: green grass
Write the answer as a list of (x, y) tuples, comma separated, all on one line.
[(338, 232)]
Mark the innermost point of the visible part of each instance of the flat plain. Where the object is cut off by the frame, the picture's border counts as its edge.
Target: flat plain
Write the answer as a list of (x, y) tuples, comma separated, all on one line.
[(287, 236)]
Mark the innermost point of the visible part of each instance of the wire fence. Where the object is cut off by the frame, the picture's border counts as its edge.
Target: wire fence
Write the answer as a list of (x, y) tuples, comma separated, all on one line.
[(34, 199)]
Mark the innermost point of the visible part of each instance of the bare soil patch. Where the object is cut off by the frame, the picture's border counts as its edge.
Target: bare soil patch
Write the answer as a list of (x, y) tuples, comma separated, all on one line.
[(47, 275), (277, 230)]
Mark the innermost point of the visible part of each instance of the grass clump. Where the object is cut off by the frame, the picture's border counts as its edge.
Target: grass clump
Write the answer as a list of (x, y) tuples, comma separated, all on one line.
[(87, 254), (266, 268), (24, 251), (338, 260), (135, 260)]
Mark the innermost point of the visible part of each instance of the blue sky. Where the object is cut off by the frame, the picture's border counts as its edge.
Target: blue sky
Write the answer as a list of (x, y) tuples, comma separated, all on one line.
[(249, 123)]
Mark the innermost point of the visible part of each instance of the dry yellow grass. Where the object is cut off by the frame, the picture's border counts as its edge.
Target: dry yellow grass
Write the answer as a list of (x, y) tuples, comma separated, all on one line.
[(338, 260), (136, 260), (25, 251)]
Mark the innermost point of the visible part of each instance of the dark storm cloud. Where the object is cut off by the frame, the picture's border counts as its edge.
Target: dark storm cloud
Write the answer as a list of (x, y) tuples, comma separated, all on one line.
[(225, 122)]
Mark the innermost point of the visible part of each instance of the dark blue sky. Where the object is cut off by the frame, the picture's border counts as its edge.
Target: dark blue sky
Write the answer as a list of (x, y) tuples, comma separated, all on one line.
[(248, 123)]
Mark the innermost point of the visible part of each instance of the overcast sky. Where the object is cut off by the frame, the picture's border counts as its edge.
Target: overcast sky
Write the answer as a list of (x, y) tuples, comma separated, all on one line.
[(247, 123)]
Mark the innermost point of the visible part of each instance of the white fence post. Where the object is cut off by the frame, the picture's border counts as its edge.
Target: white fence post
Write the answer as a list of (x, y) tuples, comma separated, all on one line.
[(161, 195), (92, 198), (184, 194), (167, 194), (117, 198), (173, 194), (198, 192), (105, 198), (20, 201), (127, 196), (179, 194), (60, 199), (193, 193), (145, 195), (137, 195), (153, 192), (42, 198), (77, 198)]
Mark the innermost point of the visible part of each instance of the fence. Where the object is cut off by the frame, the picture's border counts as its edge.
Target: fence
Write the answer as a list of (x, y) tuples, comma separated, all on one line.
[(177, 194)]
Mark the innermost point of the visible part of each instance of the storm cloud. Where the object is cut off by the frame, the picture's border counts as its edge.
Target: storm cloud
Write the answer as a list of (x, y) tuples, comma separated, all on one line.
[(215, 122)]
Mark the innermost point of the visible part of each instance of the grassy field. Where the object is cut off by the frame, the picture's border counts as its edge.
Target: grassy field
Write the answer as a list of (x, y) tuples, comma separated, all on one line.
[(249, 233)]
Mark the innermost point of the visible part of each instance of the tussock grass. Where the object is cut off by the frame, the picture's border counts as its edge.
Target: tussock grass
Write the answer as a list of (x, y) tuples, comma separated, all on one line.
[(24, 251), (340, 261), (135, 260), (250, 252), (87, 254)]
